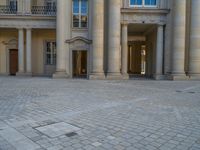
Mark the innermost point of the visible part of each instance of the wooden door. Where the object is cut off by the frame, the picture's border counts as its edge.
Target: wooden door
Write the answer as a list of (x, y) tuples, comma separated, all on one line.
[(13, 61)]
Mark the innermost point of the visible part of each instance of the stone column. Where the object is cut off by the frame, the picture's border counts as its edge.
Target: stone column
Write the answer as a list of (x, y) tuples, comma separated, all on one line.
[(63, 29), (97, 71), (20, 51), (114, 34), (20, 4), (27, 7), (125, 49), (179, 38), (28, 52), (159, 53), (194, 51)]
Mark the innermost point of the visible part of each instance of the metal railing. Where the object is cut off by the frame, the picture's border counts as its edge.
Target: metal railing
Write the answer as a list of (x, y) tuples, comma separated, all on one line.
[(6, 9), (43, 10)]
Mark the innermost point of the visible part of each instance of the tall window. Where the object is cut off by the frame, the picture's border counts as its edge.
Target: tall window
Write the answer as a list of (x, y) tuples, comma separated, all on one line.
[(50, 6), (13, 5), (143, 3), (50, 53), (80, 13)]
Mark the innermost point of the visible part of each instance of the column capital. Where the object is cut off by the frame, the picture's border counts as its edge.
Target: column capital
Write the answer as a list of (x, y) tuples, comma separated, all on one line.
[(124, 23)]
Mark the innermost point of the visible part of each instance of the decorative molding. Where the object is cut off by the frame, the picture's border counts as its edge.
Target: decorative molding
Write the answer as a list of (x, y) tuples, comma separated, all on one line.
[(79, 38)]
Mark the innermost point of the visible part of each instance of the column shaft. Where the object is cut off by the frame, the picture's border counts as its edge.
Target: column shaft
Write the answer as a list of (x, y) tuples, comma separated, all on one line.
[(179, 31), (159, 52), (124, 48), (194, 51), (28, 51), (20, 51), (98, 39), (63, 32), (114, 34)]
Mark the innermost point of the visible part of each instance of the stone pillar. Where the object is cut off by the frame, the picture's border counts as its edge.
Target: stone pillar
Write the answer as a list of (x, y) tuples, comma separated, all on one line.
[(97, 71), (20, 51), (179, 40), (20, 5), (63, 32), (194, 51), (159, 53), (114, 34), (28, 52), (125, 49), (27, 7)]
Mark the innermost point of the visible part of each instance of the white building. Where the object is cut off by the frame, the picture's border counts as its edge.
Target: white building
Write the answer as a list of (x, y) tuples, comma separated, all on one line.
[(98, 39)]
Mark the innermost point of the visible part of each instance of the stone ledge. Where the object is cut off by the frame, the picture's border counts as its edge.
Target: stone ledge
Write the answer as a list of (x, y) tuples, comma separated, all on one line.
[(60, 75), (24, 74), (97, 76), (178, 77)]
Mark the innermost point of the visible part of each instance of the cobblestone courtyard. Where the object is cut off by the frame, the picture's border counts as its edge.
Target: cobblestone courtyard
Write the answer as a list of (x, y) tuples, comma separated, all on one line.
[(41, 113)]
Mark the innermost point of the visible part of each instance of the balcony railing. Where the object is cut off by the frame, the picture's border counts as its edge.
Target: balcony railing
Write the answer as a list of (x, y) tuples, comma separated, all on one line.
[(8, 9), (43, 10)]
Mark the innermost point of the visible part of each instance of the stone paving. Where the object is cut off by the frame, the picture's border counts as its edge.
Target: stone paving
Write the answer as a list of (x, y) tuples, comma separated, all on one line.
[(47, 114)]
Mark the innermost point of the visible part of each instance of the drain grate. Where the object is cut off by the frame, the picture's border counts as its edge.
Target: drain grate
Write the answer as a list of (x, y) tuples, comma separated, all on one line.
[(71, 134)]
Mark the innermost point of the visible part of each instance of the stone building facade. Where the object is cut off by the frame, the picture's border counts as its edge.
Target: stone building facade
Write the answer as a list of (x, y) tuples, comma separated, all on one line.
[(100, 39)]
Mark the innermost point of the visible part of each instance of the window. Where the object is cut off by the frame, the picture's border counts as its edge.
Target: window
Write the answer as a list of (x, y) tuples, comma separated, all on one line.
[(13, 5), (80, 13), (143, 3), (50, 53), (50, 7)]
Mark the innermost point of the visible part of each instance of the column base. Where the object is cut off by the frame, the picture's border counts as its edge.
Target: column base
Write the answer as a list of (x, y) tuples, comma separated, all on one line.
[(194, 76), (24, 74), (177, 77), (114, 76), (125, 76), (97, 76), (60, 75), (159, 77)]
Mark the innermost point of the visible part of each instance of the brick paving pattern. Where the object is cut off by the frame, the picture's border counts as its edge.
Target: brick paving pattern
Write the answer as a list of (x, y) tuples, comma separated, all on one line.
[(109, 115)]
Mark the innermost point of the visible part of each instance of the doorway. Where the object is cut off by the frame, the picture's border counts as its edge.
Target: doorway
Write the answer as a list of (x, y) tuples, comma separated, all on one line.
[(80, 64), (137, 59), (13, 63)]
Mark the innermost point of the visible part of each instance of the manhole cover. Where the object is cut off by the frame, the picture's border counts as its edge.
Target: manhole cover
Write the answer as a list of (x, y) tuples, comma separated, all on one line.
[(58, 129), (71, 134)]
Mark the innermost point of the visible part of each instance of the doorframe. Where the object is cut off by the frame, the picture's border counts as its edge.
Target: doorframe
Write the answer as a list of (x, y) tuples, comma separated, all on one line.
[(11, 44), (10, 60), (71, 61)]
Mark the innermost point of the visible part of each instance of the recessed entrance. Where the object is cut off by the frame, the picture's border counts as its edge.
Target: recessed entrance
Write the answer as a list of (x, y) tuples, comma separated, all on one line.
[(13, 64), (80, 64), (141, 49), (137, 58)]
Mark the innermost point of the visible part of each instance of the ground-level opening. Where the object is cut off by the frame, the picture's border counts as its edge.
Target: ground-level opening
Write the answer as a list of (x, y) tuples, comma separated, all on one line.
[(13, 64), (141, 50), (80, 64)]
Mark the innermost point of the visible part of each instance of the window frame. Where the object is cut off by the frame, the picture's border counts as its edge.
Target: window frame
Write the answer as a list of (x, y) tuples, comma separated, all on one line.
[(143, 5), (80, 15), (51, 53)]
